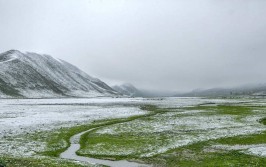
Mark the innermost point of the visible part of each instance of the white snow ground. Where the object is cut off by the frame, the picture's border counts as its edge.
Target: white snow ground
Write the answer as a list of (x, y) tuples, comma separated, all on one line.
[(21, 116)]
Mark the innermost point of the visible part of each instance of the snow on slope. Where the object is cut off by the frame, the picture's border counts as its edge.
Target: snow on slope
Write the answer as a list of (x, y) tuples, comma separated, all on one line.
[(33, 75), (128, 89)]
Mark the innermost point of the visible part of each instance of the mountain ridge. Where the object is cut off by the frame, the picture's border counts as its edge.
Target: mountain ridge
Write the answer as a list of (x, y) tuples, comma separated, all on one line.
[(32, 75), (128, 90), (245, 90)]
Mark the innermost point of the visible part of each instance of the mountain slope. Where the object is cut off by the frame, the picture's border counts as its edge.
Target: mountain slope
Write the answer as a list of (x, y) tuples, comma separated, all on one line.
[(33, 75), (128, 89), (247, 90)]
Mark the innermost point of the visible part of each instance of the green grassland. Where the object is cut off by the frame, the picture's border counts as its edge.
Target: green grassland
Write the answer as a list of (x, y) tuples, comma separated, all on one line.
[(133, 145), (136, 137), (9, 161)]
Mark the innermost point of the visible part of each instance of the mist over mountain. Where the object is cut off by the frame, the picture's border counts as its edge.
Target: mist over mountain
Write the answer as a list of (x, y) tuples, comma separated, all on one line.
[(244, 90), (128, 90), (131, 91), (33, 75)]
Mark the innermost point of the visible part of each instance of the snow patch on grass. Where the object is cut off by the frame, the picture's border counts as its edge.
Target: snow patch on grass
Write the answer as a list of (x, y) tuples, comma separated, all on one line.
[(253, 149)]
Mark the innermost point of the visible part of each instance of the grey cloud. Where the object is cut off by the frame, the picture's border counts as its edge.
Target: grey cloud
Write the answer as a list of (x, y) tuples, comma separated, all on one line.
[(153, 44)]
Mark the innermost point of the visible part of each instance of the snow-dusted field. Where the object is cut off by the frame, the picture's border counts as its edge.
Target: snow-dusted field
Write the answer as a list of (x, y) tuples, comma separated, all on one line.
[(25, 115), (22, 116), (182, 127)]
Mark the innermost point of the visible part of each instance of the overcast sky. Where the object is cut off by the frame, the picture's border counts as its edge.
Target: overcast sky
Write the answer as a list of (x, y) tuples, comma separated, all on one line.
[(154, 44)]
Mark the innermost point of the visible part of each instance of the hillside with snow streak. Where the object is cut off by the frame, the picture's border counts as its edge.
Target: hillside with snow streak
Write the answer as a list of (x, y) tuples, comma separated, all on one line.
[(32, 75)]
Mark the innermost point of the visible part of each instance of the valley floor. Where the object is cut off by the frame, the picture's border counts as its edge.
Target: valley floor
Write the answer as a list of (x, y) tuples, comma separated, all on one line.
[(156, 132)]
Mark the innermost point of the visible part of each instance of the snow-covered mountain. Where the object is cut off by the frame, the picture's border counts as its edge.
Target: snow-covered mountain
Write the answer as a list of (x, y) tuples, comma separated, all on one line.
[(244, 90), (128, 89), (33, 75)]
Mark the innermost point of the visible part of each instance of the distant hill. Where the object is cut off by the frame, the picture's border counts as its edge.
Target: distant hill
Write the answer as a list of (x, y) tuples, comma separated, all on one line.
[(128, 90), (247, 90), (32, 75)]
